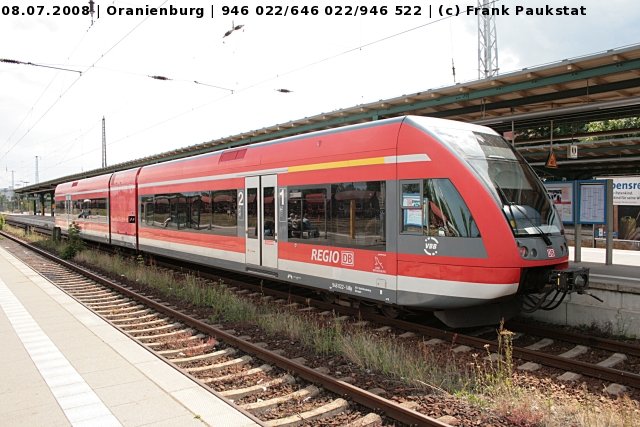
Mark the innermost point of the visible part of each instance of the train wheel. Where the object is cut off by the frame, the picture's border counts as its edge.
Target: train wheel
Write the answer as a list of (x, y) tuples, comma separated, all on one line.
[(390, 311), (328, 297)]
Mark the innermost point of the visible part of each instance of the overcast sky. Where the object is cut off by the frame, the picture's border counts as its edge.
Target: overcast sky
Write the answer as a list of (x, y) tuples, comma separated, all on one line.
[(328, 62)]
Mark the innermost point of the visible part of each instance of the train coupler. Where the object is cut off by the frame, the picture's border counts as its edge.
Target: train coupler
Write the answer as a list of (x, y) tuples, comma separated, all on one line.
[(572, 279)]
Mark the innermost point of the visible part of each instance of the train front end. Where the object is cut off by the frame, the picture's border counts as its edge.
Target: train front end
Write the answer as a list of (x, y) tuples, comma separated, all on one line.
[(536, 225), (500, 243)]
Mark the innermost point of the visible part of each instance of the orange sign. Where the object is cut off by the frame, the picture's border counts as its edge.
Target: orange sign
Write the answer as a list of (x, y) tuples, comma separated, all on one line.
[(551, 161)]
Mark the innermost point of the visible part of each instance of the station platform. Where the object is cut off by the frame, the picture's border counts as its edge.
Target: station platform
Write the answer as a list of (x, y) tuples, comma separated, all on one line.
[(62, 365), (624, 271)]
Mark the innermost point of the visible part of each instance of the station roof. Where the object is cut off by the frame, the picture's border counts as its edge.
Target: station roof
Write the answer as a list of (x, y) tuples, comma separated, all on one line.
[(594, 87)]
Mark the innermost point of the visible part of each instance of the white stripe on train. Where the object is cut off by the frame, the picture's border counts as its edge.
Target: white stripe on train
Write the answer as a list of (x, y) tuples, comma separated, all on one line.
[(448, 288)]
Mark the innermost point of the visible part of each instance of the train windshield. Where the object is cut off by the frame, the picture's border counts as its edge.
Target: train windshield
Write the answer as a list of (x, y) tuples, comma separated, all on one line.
[(524, 199)]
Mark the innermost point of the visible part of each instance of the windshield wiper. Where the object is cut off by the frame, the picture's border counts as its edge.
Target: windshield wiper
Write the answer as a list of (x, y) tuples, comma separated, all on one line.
[(544, 235), (510, 204)]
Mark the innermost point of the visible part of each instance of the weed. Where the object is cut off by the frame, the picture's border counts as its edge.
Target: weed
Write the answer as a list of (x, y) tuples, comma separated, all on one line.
[(74, 243), (485, 382)]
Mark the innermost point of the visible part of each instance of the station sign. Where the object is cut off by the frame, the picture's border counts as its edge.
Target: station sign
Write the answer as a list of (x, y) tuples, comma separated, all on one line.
[(626, 191)]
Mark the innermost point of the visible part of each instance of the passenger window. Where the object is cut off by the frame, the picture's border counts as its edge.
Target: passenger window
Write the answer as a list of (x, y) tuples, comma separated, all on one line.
[(225, 218), (358, 215), (162, 211), (146, 210), (307, 208), (349, 214)]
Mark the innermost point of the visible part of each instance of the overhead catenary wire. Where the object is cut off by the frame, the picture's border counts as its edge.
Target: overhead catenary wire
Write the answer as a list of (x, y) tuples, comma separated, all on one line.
[(164, 78), (251, 86), (44, 91), (17, 62), (101, 57), (262, 82)]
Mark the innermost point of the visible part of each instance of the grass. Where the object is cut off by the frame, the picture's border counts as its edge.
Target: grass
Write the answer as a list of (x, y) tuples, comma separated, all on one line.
[(326, 338)]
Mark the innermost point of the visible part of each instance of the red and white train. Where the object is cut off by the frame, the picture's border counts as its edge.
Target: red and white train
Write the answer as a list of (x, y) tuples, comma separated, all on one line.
[(404, 213)]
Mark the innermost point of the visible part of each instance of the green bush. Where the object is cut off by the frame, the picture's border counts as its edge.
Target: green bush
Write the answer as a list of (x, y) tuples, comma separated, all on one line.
[(74, 242)]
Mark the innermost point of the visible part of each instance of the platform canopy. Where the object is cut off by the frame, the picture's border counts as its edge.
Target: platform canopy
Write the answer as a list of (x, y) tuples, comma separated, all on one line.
[(522, 103)]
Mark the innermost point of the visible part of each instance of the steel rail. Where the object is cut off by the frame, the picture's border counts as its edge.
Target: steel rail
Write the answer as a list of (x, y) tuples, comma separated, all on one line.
[(589, 369), (363, 397), (577, 338), (553, 361)]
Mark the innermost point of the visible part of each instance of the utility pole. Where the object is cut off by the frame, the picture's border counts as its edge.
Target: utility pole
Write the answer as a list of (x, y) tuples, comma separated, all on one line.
[(104, 144), (37, 177), (487, 42), (13, 182)]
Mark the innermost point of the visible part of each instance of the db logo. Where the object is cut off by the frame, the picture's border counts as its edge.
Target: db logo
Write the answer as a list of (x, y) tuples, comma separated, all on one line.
[(551, 253), (333, 257), (347, 258)]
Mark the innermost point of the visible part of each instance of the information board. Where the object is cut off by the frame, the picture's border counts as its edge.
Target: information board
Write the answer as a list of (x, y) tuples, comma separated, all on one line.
[(592, 199), (562, 196)]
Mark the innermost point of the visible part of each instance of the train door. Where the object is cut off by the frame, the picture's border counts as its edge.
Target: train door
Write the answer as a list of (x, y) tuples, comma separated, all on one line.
[(260, 214)]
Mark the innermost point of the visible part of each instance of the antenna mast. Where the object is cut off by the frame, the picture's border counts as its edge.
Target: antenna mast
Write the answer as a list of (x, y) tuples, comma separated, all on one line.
[(104, 144), (487, 41)]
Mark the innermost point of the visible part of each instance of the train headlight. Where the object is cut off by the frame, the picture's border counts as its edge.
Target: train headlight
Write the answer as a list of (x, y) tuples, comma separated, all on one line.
[(523, 251)]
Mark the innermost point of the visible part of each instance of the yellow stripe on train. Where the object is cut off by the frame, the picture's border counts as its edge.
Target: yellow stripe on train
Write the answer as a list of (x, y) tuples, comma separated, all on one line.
[(339, 164)]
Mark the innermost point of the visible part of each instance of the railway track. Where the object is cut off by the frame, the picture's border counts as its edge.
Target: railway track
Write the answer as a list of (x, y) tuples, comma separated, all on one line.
[(547, 350), (552, 348), (531, 351), (541, 352), (275, 389)]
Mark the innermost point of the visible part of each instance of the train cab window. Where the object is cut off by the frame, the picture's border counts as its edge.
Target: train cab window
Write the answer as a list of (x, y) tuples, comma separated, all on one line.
[(411, 206), (446, 212), (433, 207)]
